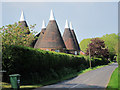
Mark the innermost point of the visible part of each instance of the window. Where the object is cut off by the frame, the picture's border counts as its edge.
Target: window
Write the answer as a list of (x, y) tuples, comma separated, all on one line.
[(57, 50), (47, 49), (75, 52)]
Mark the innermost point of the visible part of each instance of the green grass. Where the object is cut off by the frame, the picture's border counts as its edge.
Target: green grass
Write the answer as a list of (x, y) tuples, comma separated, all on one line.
[(7, 85), (113, 83)]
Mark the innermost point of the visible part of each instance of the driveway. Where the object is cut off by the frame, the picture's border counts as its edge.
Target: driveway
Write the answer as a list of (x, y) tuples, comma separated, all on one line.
[(98, 78)]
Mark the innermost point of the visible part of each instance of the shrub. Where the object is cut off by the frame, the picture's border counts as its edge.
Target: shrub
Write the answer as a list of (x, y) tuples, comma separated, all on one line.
[(36, 66), (15, 34)]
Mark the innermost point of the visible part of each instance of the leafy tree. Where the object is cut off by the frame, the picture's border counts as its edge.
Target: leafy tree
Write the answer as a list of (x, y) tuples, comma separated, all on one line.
[(117, 48), (111, 42), (84, 44), (16, 35), (97, 48)]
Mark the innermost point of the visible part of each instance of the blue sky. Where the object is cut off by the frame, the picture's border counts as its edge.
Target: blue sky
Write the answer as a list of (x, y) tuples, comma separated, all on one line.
[(89, 19)]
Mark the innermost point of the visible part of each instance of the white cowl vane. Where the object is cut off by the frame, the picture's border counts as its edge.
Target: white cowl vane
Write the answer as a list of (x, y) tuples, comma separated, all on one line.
[(66, 24), (52, 15), (43, 25), (22, 18)]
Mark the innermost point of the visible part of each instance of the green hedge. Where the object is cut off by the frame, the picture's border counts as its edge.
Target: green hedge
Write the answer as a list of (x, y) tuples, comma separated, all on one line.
[(36, 66), (99, 61)]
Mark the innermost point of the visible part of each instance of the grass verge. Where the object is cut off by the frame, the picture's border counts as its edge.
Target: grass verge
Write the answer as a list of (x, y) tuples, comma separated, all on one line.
[(70, 76), (113, 83)]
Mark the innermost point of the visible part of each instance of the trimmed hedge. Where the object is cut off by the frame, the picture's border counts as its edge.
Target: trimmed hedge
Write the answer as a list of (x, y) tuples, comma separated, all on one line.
[(37, 66)]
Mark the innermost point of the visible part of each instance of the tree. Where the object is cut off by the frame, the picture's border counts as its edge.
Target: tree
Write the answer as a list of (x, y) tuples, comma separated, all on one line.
[(117, 49), (97, 48), (84, 43), (111, 40), (15, 35)]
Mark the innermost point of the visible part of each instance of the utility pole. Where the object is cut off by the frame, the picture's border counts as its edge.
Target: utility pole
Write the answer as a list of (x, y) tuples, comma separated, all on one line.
[(89, 57)]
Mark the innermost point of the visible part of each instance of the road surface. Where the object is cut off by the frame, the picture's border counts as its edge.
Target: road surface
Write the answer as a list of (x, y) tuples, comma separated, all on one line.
[(98, 78)]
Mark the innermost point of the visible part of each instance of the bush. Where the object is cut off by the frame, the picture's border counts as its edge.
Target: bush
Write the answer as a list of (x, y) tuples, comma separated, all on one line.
[(100, 61), (15, 34), (37, 66)]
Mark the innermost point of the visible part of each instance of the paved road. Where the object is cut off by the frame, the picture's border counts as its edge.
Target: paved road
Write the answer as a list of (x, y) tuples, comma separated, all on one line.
[(98, 78)]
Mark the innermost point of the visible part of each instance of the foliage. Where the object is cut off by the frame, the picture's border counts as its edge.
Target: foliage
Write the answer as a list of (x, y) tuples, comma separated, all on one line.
[(69, 76), (84, 44), (37, 66), (97, 48), (117, 50), (111, 42), (16, 35)]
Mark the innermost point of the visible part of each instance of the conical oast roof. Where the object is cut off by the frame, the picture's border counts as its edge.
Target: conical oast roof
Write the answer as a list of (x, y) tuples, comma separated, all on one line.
[(52, 38), (42, 32), (68, 38), (74, 37), (23, 23), (43, 29), (40, 35)]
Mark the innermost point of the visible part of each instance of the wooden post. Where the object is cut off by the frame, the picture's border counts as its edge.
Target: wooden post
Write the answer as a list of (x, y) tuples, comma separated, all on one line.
[(89, 57)]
